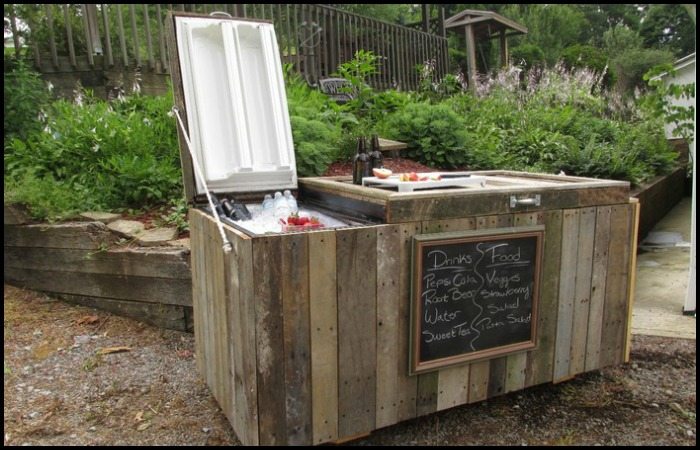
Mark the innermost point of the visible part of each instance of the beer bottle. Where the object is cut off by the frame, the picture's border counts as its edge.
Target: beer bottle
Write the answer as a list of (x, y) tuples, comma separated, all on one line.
[(376, 157), (361, 164)]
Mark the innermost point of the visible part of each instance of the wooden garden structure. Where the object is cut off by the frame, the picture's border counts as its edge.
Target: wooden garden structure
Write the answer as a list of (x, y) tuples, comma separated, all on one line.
[(483, 25)]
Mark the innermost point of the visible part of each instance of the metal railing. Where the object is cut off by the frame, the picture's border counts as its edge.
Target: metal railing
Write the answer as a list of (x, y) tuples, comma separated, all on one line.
[(315, 39)]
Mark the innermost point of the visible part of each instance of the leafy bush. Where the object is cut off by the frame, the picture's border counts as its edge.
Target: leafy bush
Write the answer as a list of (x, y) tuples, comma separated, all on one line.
[(122, 154), (25, 95), (315, 144), (435, 134)]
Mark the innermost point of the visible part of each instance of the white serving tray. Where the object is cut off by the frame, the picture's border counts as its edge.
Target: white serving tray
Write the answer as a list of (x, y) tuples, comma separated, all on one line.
[(410, 186)]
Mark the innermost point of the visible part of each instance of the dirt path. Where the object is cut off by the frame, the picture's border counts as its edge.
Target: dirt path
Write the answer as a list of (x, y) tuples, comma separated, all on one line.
[(68, 382)]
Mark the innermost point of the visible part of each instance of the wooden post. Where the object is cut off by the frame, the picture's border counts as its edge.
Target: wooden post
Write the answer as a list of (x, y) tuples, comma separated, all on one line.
[(441, 22), (471, 56), (504, 49), (93, 30), (69, 36), (425, 13)]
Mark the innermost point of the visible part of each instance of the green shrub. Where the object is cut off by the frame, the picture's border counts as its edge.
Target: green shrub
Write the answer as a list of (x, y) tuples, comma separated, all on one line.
[(315, 143), (435, 134), (25, 95), (122, 154)]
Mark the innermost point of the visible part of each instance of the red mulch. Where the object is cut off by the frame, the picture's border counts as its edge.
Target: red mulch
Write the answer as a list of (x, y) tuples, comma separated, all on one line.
[(396, 165)]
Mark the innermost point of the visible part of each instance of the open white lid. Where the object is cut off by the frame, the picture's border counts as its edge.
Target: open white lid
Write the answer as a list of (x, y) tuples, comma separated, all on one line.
[(236, 104)]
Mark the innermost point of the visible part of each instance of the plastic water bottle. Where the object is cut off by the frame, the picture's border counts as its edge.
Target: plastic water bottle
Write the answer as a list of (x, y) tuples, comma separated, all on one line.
[(268, 206), (291, 201), (282, 210)]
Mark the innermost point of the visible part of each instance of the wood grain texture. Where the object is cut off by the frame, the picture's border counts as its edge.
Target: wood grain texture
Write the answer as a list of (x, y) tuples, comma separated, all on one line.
[(598, 279), (72, 235), (407, 385), (153, 262), (615, 312), (242, 343), (169, 291), (197, 259), (636, 208), (478, 381), (297, 350), (269, 340), (357, 277), (567, 290), (389, 243), (582, 290), (323, 310), (171, 317)]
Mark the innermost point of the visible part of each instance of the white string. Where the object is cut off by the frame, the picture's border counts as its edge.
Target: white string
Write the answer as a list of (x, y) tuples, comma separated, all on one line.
[(200, 174)]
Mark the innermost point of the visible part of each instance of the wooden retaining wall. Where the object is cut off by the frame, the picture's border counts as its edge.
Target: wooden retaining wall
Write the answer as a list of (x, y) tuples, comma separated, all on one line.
[(82, 263), (658, 197), (303, 338)]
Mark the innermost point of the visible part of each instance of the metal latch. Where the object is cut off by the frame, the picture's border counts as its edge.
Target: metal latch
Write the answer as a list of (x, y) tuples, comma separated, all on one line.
[(525, 201)]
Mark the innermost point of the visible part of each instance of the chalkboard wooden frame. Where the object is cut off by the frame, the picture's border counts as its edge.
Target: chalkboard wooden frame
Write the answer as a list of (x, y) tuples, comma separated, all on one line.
[(423, 241)]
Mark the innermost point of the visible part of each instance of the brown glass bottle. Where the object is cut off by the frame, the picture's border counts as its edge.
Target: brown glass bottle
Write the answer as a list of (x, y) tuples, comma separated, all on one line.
[(361, 163), (375, 155)]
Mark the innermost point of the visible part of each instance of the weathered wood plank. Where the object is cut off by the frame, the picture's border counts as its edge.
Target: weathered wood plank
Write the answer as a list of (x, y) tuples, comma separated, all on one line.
[(269, 338), (144, 262), (163, 316), (615, 310), (168, 291), (242, 346), (389, 243), (453, 387), (478, 381), (582, 291), (357, 279), (221, 330), (636, 209), (567, 290), (83, 235), (424, 206), (497, 377), (598, 278), (207, 293), (407, 385), (297, 351), (427, 399), (197, 260), (323, 310)]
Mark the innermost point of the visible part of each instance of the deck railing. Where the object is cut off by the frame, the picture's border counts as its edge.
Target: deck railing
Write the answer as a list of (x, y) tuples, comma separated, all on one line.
[(315, 39)]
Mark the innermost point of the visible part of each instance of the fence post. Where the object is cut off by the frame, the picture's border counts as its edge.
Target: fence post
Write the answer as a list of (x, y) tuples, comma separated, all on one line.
[(93, 30)]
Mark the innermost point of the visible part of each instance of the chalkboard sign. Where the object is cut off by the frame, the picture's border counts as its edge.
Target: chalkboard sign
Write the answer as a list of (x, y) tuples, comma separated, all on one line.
[(474, 295)]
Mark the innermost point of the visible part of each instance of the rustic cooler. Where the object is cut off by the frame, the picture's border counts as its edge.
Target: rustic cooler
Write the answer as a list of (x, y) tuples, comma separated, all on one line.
[(413, 301)]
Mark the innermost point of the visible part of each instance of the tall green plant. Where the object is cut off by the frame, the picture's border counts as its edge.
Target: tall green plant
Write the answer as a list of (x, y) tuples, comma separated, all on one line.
[(25, 95), (123, 154)]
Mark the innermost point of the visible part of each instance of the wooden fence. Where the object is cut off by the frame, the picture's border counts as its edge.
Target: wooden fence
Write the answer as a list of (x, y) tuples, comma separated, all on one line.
[(314, 39)]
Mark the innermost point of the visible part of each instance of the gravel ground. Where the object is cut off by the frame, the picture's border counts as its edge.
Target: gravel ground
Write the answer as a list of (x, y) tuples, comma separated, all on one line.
[(77, 376)]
